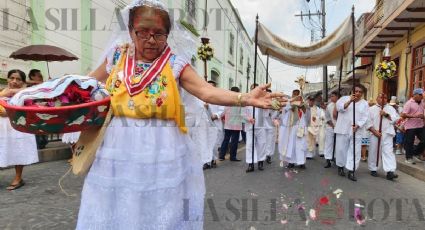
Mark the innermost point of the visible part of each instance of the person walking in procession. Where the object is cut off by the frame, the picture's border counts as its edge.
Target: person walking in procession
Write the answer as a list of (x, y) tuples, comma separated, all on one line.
[(330, 125), (382, 115), (345, 128), (293, 128)]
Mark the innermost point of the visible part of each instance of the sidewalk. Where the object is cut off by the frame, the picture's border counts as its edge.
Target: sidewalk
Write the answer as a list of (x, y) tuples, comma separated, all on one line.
[(417, 170)]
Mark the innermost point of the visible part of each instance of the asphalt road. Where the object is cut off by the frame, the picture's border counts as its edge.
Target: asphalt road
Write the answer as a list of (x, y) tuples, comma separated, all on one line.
[(275, 198)]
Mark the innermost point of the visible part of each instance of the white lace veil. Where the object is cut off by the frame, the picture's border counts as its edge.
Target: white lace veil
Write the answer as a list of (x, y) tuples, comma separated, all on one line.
[(179, 40)]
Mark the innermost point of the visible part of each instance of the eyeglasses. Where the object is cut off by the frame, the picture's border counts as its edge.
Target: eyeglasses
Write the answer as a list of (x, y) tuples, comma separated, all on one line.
[(146, 35), (18, 79)]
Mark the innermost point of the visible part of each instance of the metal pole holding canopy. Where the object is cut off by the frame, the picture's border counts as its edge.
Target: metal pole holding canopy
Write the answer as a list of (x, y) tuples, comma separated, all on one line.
[(255, 82), (354, 86), (267, 69)]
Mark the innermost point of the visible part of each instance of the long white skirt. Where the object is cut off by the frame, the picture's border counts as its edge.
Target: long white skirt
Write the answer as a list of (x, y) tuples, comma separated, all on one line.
[(16, 148), (145, 176)]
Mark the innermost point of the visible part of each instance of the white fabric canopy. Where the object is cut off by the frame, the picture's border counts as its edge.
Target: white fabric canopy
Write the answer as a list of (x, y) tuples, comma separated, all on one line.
[(323, 52)]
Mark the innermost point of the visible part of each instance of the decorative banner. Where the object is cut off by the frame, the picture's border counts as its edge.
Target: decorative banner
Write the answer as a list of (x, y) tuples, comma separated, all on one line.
[(323, 52)]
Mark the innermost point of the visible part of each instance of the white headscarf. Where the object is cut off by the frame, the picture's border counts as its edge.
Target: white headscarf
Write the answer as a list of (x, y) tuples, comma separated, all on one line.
[(179, 40)]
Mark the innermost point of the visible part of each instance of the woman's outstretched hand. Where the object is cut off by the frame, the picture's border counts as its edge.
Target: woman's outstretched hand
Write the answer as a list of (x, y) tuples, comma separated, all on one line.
[(260, 98)]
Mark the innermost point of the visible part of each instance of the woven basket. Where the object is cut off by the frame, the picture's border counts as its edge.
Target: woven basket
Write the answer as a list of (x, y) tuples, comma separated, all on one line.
[(52, 120)]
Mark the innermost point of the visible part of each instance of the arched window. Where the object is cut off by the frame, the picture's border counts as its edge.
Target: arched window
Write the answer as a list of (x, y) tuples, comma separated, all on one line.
[(215, 76)]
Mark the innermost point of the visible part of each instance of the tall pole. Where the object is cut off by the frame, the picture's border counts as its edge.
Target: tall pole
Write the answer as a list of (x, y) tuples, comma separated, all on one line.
[(321, 14), (267, 70), (236, 52), (354, 85), (205, 40), (325, 68), (255, 81)]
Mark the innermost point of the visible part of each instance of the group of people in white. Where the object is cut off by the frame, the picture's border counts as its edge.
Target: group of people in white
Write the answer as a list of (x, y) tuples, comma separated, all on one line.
[(303, 131)]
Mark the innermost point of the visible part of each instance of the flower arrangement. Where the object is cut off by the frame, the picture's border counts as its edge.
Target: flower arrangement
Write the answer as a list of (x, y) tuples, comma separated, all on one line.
[(205, 52), (385, 70)]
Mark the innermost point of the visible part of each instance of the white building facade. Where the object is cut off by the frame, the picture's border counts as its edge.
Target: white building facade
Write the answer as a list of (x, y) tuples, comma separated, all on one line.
[(83, 27)]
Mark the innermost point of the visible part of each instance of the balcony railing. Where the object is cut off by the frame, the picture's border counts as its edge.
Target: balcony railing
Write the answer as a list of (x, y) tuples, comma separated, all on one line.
[(375, 17)]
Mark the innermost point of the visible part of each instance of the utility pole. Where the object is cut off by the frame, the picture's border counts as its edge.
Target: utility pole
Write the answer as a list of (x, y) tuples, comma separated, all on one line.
[(322, 15)]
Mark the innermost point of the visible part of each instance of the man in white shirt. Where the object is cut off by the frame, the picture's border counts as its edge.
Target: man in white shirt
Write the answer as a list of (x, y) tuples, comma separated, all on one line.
[(330, 124), (256, 136), (269, 124), (345, 128), (384, 114)]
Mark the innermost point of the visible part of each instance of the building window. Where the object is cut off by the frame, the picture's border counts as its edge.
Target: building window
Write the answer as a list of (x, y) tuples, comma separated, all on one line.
[(215, 76), (418, 68), (191, 8), (231, 82), (231, 44)]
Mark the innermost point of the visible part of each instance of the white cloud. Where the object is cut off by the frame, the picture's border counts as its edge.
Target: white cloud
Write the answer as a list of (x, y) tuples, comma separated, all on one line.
[(279, 17)]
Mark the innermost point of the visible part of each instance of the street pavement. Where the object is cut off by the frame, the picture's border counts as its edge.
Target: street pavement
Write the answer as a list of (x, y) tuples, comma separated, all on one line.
[(275, 198)]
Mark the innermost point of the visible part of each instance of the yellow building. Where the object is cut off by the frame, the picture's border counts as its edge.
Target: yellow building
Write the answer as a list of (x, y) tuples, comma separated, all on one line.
[(401, 24)]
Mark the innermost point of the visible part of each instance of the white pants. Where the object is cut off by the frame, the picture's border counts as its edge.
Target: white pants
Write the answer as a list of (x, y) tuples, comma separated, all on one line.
[(329, 143), (350, 161), (259, 145), (386, 154), (270, 141), (218, 141), (342, 141), (321, 140)]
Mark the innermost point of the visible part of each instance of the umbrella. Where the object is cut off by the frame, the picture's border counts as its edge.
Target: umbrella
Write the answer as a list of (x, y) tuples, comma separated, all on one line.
[(43, 53)]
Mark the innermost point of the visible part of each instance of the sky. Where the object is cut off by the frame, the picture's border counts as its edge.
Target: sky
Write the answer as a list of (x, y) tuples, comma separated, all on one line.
[(279, 17)]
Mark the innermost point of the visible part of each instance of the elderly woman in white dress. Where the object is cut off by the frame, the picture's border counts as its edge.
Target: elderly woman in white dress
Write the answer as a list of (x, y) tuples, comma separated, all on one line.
[(16, 148), (146, 174)]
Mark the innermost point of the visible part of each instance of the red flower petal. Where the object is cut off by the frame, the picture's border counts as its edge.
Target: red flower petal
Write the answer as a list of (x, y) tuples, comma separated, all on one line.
[(324, 200)]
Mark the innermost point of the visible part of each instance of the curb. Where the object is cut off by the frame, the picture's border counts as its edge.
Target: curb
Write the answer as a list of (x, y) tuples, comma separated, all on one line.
[(417, 171)]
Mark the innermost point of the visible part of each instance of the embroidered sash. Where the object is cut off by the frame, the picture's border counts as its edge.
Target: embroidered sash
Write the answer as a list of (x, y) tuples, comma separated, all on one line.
[(148, 75)]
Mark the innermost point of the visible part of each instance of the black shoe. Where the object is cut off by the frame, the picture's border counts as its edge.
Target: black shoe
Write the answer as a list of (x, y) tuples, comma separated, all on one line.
[(351, 176), (309, 158), (341, 171), (290, 166), (391, 176), (374, 173), (321, 155), (206, 166), (213, 164), (328, 164), (221, 159), (302, 166), (235, 159), (261, 165), (269, 160), (250, 168)]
